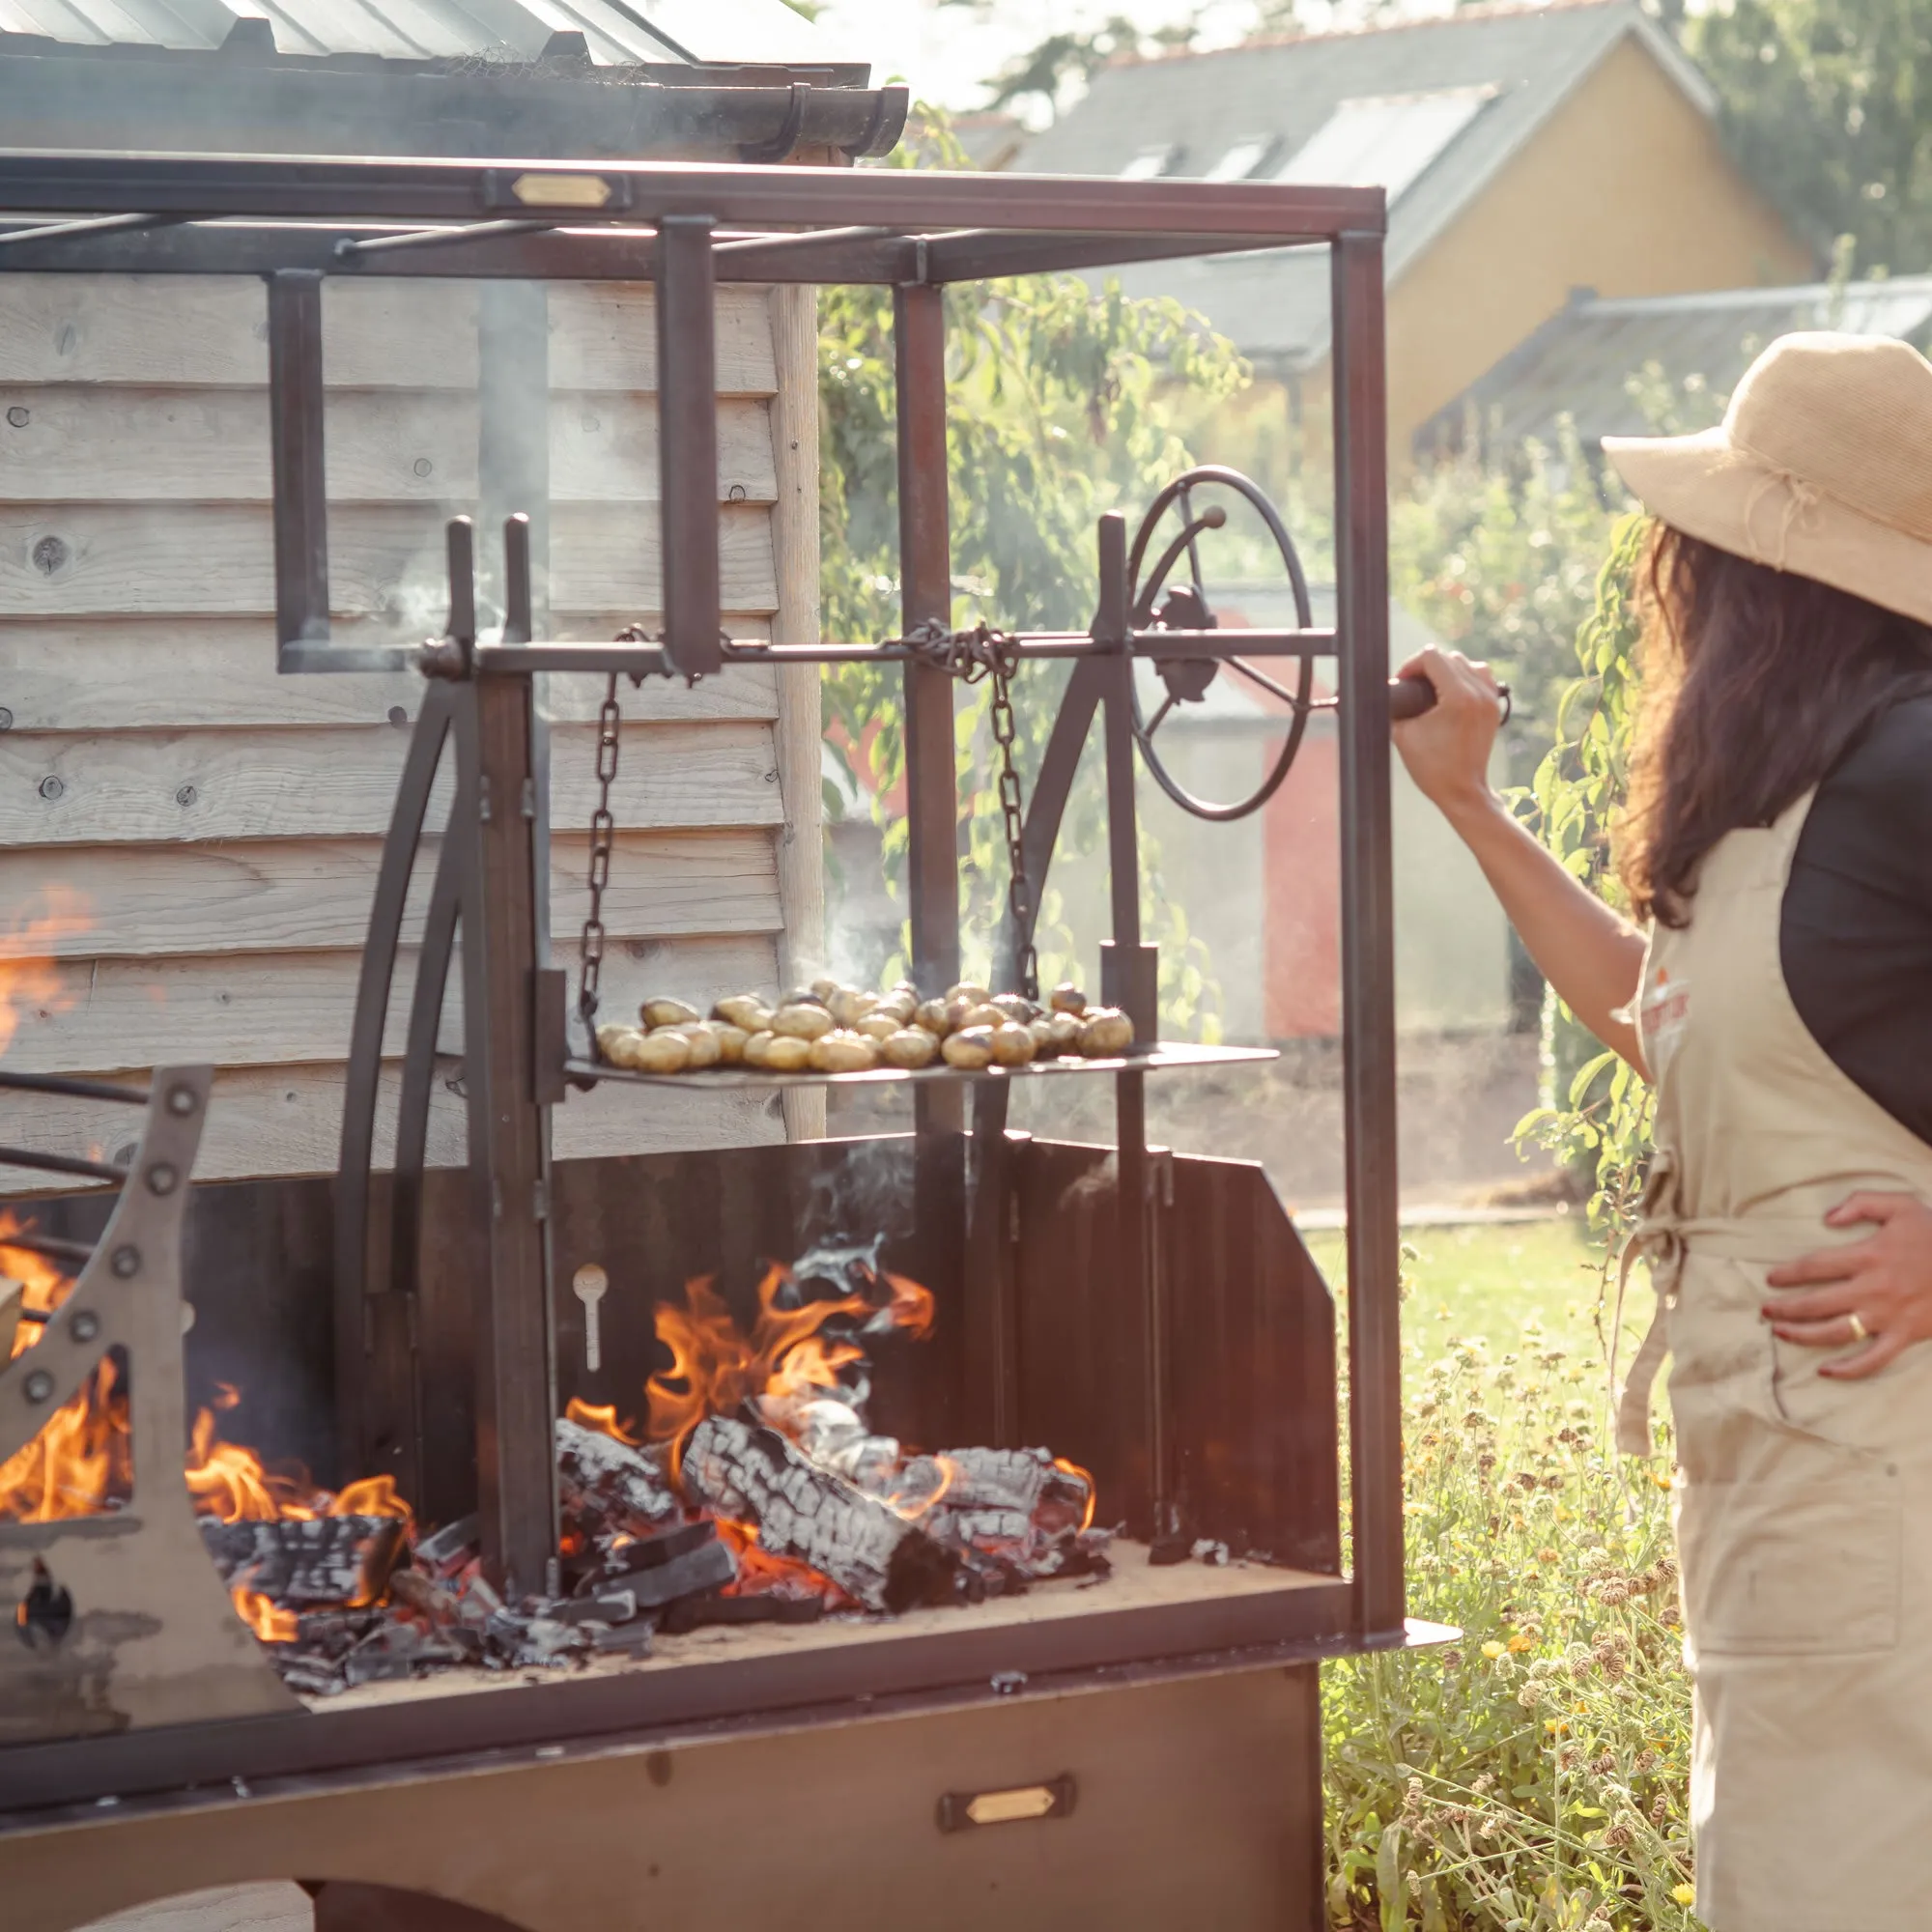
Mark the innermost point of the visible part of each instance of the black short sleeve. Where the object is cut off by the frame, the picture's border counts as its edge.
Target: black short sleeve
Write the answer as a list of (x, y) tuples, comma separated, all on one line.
[(1856, 932)]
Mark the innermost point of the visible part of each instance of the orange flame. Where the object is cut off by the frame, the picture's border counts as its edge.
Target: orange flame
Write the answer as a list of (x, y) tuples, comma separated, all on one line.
[(270, 1623), (43, 1284), (720, 1368), (31, 981), (1093, 1488), (604, 1420), (231, 1482), (81, 1463), (715, 1368)]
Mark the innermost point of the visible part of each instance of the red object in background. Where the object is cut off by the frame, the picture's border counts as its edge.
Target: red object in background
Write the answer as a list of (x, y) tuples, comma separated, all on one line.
[(1301, 896)]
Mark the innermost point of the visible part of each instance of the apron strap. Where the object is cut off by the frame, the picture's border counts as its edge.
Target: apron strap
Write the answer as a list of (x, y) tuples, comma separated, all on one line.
[(1633, 1398), (1658, 1239)]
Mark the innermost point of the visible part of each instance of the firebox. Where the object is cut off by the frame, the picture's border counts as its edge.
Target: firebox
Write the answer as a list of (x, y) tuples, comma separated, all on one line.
[(949, 1522)]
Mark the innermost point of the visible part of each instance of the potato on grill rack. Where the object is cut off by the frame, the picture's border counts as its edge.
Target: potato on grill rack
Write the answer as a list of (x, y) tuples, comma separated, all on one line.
[(828, 1027)]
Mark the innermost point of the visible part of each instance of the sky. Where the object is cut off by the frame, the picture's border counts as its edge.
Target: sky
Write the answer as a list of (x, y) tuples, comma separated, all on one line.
[(946, 52)]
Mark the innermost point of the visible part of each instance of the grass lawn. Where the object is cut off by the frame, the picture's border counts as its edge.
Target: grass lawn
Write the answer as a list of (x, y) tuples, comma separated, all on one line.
[(1488, 1282)]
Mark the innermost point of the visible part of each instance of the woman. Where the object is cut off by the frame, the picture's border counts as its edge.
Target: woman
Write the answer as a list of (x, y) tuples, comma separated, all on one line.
[(1778, 845)]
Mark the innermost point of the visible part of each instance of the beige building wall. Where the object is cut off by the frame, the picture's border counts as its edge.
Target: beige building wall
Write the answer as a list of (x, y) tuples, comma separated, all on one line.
[(188, 842), (1626, 188)]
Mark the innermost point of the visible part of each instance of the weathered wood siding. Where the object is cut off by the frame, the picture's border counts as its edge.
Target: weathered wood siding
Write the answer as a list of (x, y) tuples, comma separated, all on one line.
[(190, 841)]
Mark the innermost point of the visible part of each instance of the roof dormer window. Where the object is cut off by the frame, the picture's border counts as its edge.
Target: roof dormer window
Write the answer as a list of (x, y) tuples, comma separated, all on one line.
[(1150, 164), (1386, 141), (1243, 161)]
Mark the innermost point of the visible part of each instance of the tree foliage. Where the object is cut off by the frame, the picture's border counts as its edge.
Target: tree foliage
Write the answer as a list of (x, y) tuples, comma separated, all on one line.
[(1599, 1116), (1828, 104), (1059, 409)]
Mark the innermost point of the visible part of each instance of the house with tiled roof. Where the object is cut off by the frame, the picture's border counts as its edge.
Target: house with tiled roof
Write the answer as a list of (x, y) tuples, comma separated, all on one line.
[(1526, 151)]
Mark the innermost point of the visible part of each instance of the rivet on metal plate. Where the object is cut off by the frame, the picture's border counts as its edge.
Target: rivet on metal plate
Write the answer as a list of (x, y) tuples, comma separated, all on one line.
[(126, 1262), (162, 1179), (83, 1324), (37, 1386), (181, 1101)]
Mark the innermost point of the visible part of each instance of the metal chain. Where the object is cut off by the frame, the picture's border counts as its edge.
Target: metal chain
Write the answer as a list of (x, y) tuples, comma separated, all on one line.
[(603, 828), (967, 655), (1004, 661)]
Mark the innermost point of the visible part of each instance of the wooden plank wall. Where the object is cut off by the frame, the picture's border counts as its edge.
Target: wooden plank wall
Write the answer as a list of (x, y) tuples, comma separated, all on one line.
[(190, 841)]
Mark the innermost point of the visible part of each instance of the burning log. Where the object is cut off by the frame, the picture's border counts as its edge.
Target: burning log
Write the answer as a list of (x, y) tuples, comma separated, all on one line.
[(296, 1561), (1028, 1511), (748, 1474), (608, 1483)]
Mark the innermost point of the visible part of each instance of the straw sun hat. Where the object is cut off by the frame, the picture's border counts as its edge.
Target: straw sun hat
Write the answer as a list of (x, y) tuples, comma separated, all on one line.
[(1822, 466)]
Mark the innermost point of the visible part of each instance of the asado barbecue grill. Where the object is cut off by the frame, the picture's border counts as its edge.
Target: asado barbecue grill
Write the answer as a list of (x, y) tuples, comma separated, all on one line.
[(1143, 1750)]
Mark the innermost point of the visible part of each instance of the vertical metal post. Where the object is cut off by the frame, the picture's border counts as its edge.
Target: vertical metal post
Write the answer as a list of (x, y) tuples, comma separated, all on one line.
[(1128, 979), (1368, 932), (495, 813), (941, 1199), (926, 576), (296, 455), (688, 443)]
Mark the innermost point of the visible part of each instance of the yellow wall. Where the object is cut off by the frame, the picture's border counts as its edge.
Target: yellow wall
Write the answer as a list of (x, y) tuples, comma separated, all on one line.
[(1626, 189)]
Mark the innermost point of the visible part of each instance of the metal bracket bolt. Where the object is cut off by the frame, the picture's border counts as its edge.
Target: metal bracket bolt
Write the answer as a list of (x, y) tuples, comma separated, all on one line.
[(37, 1386), (126, 1262)]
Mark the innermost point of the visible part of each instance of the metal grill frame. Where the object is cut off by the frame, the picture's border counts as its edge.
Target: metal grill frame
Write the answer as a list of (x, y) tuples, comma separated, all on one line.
[(295, 222)]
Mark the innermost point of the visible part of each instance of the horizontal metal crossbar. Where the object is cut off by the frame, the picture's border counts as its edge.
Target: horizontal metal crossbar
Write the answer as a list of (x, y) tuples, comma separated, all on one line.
[(52, 1245), (70, 1087), (60, 1163), (908, 202), (547, 251), (649, 659)]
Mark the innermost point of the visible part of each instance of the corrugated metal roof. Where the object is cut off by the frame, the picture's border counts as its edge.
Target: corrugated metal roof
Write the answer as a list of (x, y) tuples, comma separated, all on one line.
[(1582, 362), (1276, 305), (617, 32)]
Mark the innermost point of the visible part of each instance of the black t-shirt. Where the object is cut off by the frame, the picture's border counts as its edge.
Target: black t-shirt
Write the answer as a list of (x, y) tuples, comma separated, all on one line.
[(1856, 931)]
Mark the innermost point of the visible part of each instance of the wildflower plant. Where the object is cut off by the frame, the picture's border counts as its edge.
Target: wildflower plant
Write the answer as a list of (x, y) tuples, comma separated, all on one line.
[(1532, 1776)]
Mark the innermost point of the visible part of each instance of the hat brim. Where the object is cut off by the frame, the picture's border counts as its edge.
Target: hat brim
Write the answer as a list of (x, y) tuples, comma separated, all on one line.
[(1707, 487)]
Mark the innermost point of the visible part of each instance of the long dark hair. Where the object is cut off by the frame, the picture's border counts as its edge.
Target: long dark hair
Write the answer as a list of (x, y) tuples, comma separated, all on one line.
[(1755, 683)]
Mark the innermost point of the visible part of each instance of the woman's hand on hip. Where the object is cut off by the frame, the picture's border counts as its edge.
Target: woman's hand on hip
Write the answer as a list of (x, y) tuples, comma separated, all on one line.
[(1877, 1291), (1447, 749)]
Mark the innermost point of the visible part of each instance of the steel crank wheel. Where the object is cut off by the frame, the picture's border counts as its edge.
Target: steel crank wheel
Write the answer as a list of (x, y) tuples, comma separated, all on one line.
[(1158, 606)]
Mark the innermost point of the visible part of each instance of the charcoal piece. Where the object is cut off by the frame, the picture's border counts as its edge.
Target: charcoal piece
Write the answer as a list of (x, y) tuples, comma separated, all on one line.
[(330, 1634), (632, 1640), (607, 1606), (692, 1613), (646, 1553), (548, 1642), (310, 1679), (450, 1547), (607, 1484), (751, 1474), (410, 1587), (708, 1566), (294, 1562)]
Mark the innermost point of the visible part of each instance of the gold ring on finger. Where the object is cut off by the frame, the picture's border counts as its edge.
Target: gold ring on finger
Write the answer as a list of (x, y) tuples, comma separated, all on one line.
[(1859, 1332)]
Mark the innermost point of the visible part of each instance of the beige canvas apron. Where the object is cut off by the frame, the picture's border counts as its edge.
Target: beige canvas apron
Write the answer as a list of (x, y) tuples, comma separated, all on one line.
[(1802, 1505)]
